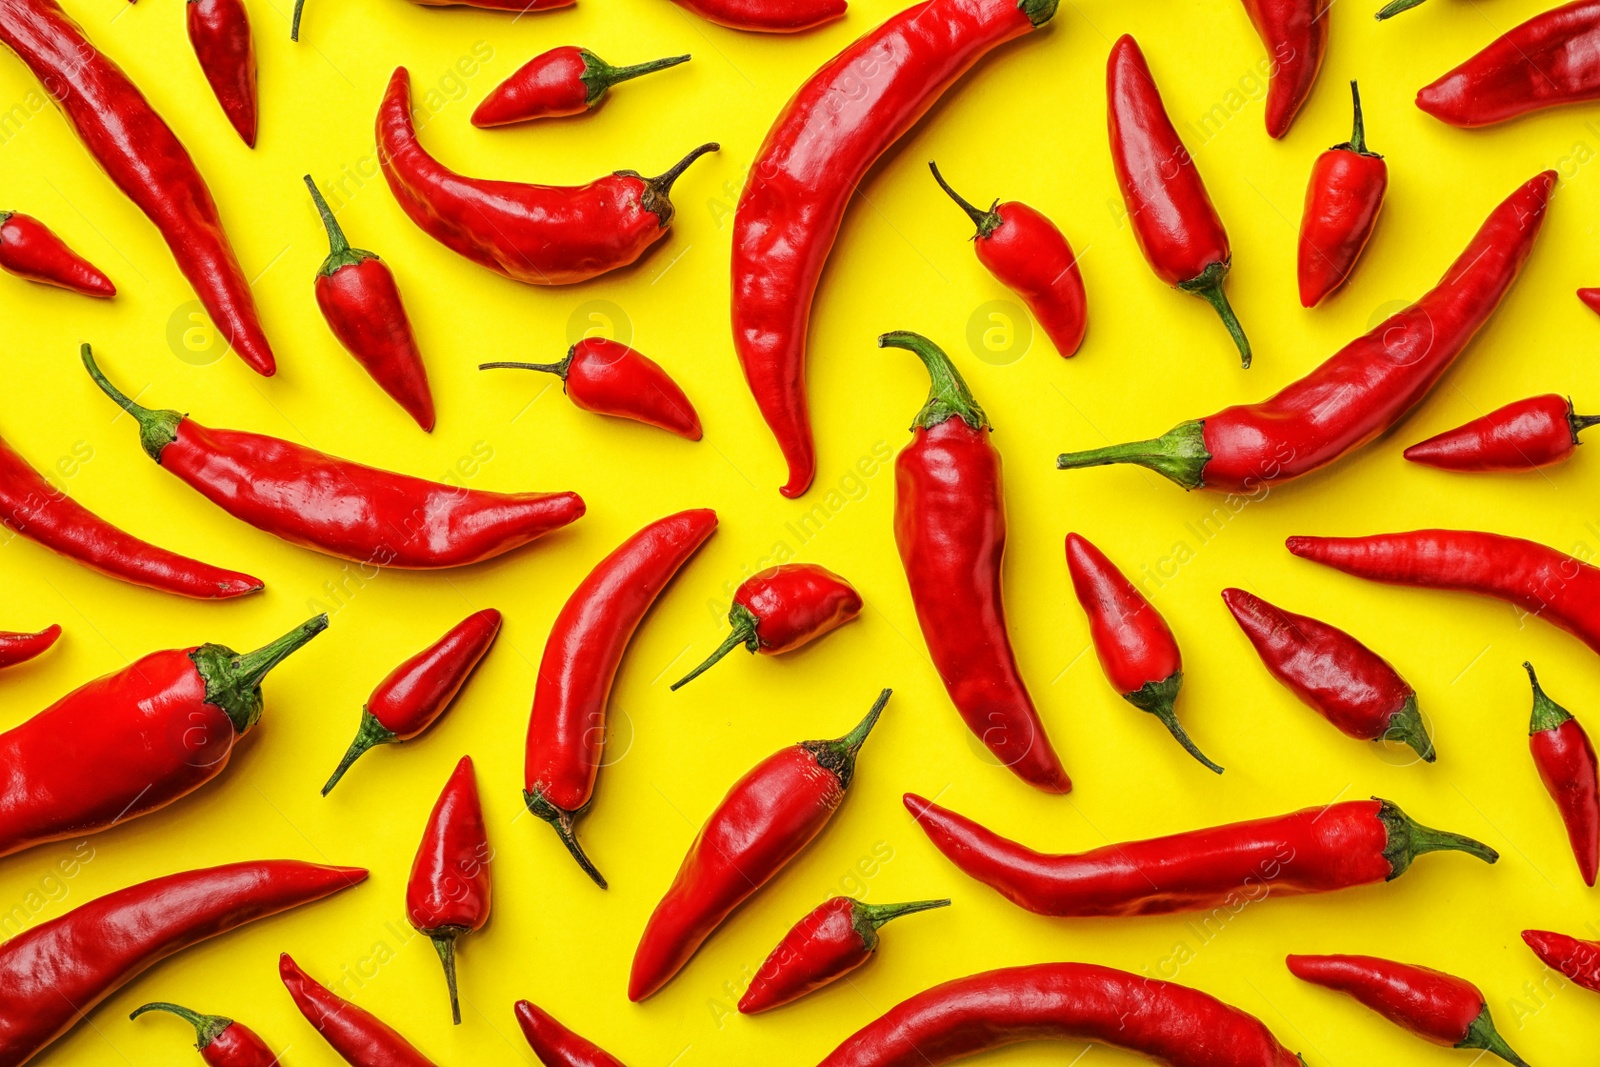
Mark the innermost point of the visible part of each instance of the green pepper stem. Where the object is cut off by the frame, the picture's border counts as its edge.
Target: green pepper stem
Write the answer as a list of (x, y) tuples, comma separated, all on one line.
[(1482, 1035), (875, 915), (294, 24), (564, 823), (1409, 839), (233, 681), (369, 734), (336, 238), (1389, 11), (1581, 423), (1179, 454), (1406, 725), (598, 75), (1208, 286), (558, 369), (157, 429), (839, 755), (661, 185), (1159, 699), (1547, 714), (986, 221), (444, 942), (948, 395), (744, 633), (207, 1028), (1358, 130)]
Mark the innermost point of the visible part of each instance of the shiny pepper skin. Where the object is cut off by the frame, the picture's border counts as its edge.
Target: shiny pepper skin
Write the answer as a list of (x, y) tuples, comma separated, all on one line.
[(1525, 435), (555, 1045), (220, 1041), (18, 648), (610, 378), (1296, 35), (1342, 204), (361, 1038), (1578, 960), (1549, 60), (1567, 766), (766, 16), (219, 30), (448, 894), (29, 249), (563, 81), (520, 7)]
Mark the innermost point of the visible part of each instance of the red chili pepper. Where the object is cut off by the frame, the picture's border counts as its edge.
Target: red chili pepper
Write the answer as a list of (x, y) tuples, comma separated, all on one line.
[(609, 378), (1567, 766), (1335, 675), (763, 822), (567, 726), (18, 648), (1578, 960), (1549, 60), (1318, 850), (781, 608), (1342, 205), (555, 1045), (815, 155), (1173, 219), (1135, 646), (361, 1038), (1296, 35), (55, 973), (221, 1041), (838, 936), (1435, 1006), (950, 526), (30, 250), (219, 30), (1591, 299), (414, 695), (563, 81), (448, 894), (1528, 434), (358, 297), (1358, 392), (521, 7), (144, 158), (766, 16)]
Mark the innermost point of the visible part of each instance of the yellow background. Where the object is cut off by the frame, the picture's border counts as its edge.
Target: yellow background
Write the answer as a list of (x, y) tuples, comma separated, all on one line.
[(1028, 124)]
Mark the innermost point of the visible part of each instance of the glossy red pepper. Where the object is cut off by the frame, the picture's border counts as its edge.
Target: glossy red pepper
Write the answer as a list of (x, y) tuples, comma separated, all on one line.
[(609, 378), (18, 648), (1296, 35), (764, 821), (359, 1037), (555, 1045), (950, 526), (567, 726), (55, 973), (1549, 60), (29, 249), (220, 1041), (1578, 960), (1525, 435), (448, 894), (1591, 299), (807, 170), (520, 7), (563, 81), (767, 16), (1567, 766), (781, 608), (1342, 204), (414, 695), (219, 30), (1358, 392)]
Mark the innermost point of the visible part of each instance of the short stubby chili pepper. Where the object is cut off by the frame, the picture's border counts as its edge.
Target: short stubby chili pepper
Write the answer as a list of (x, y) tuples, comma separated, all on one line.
[(1296, 35), (838, 936), (1435, 1006), (1335, 675), (1358, 392), (1318, 850), (221, 1041), (763, 822), (1169, 1023), (781, 608), (521, 7), (1177, 227), (1135, 646), (557, 1046), (1549, 60), (332, 505), (610, 378), (767, 16), (1577, 960), (1342, 204), (414, 695), (1027, 254), (359, 1037), (1567, 766), (30, 249), (134, 741), (448, 894), (806, 172), (567, 724), (358, 298), (1522, 436), (55, 973), (219, 30), (538, 234), (18, 648), (563, 81)]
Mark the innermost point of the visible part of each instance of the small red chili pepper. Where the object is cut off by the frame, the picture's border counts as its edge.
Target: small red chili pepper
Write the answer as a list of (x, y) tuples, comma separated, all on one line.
[(1335, 675), (555, 1045), (1578, 960), (414, 695), (1135, 646), (1522, 436), (1296, 35), (563, 81), (766, 819), (18, 648), (1173, 219), (448, 894), (521, 7), (221, 1041), (361, 1038), (219, 30), (1435, 1006), (781, 608), (609, 378), (567, 725), (838, 936), (1567, 766), (30, 250), (1342, 204), (1549, 60), (766, 16), (360, 301), (1591, 299)]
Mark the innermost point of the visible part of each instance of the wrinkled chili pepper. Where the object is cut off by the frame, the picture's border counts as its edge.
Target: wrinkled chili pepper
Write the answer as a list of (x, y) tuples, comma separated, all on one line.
[(950, 527), (1358, 392), (55, 973), (1342, 204), (18, 648), (1549, 60), (29, 249), (807, 170), (781, 608), (220, 1041), (567, 725), (219, 30), (555, 1045), (448, 894), (609, 378), (1524, 435), (144, 158), (1567, 766), (361, 1038), (766, 16), (414, 695), (1578, 960), (563, 81), (838, 936), (764, 821), (1296, 35), (337, 506), (521, 7)]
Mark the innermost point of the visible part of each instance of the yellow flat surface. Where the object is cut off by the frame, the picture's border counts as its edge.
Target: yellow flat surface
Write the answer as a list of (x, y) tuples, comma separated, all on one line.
[(1028, 124)]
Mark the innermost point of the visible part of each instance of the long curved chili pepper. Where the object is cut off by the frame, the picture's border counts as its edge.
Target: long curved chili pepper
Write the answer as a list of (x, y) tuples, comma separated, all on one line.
[(29, 249), (18, 648), (781, 608), (807, 170), (610, 378), (521, 7), (1343, 199), (144, 158), (1525, 435), (219, 30), (414, 695), (359, 1037), (55, 973), (1549, 60), (1171, 1024), (567, 725), (448, 894), (837, 936), (358, 297), (557, 1046), (1435, 1006), (1358, 392), (220, 1041), (766, 16), (1567, 766), (337, 506), (950, 527), (1318, 850), (538, 234), (1135, 646), (1331, 672), (563, 81), (1173, 219), (765, 820), (1578, 960), (1296, 35), (1027, 253)]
